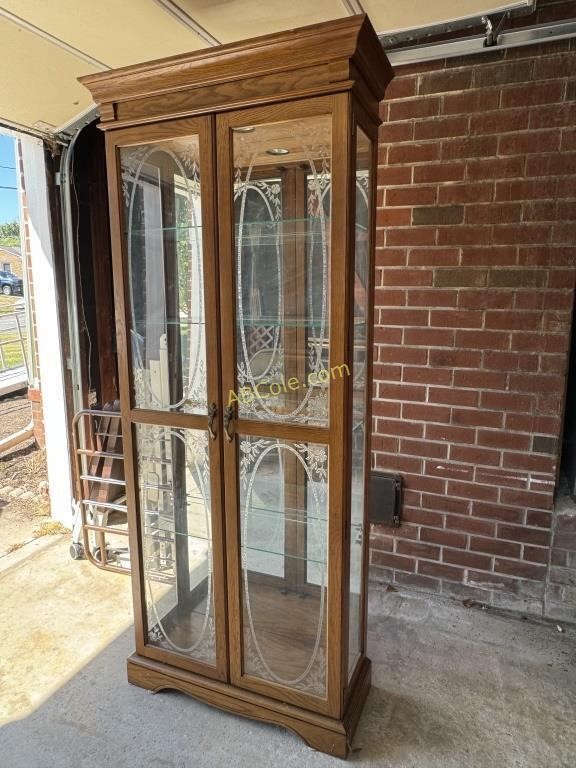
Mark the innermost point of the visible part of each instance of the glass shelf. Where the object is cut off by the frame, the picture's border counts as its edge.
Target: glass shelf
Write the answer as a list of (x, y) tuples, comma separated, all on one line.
[(176, 228), (284, 222), (150, 531), (295, 558), (253, 322), (289, 514), (276, 223), (171, 538)]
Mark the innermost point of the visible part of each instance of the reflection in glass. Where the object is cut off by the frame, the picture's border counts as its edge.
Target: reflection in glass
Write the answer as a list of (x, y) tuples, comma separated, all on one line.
[(163, 236), (174, 494), (359, 384), (282, 252), (283, 498)]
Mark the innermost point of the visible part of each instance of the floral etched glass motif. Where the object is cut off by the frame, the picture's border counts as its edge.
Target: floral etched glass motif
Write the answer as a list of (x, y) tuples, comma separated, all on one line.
[(163, 243), (284, 559), (282, 259), (174, 495)]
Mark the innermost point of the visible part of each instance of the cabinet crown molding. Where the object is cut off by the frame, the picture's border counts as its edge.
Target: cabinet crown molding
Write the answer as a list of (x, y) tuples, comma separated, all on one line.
[(334, 56)]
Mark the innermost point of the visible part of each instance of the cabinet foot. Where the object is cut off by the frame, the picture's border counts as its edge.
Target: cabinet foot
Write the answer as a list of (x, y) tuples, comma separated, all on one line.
[(320, 732)]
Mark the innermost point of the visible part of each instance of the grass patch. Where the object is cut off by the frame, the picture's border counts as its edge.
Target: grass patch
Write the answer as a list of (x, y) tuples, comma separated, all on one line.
[(8, 304), (52, 528), (41, 509), (11, 352), (12, 356), (14, 547)]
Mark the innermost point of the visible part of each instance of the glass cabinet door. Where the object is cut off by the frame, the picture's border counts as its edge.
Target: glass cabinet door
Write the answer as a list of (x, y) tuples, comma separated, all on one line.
[(244, 374), (163, 236), (277, 386), (171, 324)]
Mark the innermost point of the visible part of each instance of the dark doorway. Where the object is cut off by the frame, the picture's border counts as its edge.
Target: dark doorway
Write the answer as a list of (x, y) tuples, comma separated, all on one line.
[(96, 324)]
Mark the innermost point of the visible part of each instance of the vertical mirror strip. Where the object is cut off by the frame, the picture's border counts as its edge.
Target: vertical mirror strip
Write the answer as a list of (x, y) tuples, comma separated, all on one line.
[(360, 320)]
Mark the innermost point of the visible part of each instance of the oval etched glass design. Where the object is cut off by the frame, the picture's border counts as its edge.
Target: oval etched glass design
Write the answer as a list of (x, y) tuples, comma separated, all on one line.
[(175, 519), (282, 262), (163, 239), (283, 507)]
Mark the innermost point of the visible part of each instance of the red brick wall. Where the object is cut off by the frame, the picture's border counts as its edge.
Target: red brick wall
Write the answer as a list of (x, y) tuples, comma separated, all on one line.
[(474, 295), (35, 398)]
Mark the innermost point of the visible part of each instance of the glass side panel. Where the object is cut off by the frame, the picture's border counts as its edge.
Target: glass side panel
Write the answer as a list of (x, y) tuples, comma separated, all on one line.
[(283, 496), (282, 261), (163, 244), (359, 384), (174, 494)]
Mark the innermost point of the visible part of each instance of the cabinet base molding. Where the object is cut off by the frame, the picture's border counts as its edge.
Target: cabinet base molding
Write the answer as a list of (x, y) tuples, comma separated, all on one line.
[(323, 733)]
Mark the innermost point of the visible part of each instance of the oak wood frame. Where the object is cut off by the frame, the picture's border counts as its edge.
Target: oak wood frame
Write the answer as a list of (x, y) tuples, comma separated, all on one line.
[(336, 68)]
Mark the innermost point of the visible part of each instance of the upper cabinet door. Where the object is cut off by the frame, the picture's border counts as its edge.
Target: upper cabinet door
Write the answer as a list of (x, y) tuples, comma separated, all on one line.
[(281, 243), (163, 234)]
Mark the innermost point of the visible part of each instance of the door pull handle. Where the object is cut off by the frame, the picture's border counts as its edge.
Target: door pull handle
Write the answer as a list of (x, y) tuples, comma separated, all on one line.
[(229, 423), (212, 414)]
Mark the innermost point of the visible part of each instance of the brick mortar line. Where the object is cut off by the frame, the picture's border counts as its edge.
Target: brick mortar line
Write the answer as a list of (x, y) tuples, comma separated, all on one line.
[(499, 502)]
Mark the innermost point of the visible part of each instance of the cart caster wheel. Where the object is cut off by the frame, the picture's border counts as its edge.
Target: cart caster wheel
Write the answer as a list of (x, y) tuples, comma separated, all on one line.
[(97, 554), (76, 551)]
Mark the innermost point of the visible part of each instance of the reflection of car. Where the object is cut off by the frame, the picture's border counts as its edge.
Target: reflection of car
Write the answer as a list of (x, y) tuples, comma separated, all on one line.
[(10, 284)]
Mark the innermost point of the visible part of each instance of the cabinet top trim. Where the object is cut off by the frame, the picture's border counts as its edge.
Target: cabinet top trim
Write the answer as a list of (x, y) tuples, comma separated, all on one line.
[(344, 50)]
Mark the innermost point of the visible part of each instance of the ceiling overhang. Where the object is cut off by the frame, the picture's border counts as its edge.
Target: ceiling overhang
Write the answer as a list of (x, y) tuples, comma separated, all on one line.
[(47, 46)]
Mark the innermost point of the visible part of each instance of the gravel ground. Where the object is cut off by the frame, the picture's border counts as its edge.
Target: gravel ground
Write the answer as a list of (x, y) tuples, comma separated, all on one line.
[(15, 414), (23, 467)]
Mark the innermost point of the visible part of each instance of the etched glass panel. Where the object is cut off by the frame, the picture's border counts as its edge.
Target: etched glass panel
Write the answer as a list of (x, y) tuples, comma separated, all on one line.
[(283, 496), (360, 353), (174, 494), (163, 239), (282, 257)]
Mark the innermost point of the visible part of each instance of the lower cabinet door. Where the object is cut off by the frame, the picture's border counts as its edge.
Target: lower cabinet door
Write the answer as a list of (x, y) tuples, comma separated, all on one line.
[(284, 563), (177, 543)]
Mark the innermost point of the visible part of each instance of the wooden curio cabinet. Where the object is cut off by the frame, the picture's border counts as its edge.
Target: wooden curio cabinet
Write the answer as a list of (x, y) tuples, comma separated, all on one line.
[(242, 186)]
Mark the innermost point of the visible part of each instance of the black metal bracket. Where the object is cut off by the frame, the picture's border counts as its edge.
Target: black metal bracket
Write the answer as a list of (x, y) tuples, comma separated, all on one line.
[(385, 498), (492, 33)]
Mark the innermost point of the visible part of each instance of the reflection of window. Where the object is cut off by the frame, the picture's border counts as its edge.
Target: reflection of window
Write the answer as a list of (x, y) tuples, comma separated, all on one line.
[(7, 268)]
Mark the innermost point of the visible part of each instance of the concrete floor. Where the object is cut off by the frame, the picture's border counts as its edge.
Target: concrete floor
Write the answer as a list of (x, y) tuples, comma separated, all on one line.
[(453, 687)]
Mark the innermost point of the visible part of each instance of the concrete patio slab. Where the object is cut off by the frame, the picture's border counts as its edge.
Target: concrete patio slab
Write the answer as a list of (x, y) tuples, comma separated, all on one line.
[(453, 687)]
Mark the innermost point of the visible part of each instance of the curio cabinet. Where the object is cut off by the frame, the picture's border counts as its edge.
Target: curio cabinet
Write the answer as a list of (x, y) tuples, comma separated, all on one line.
[(242, 202)]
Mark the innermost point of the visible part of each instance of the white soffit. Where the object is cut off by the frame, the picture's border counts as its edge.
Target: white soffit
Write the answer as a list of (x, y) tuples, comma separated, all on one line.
[(233, 20), (38, 84), (56, 41), (38, 81), (115, 32)]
